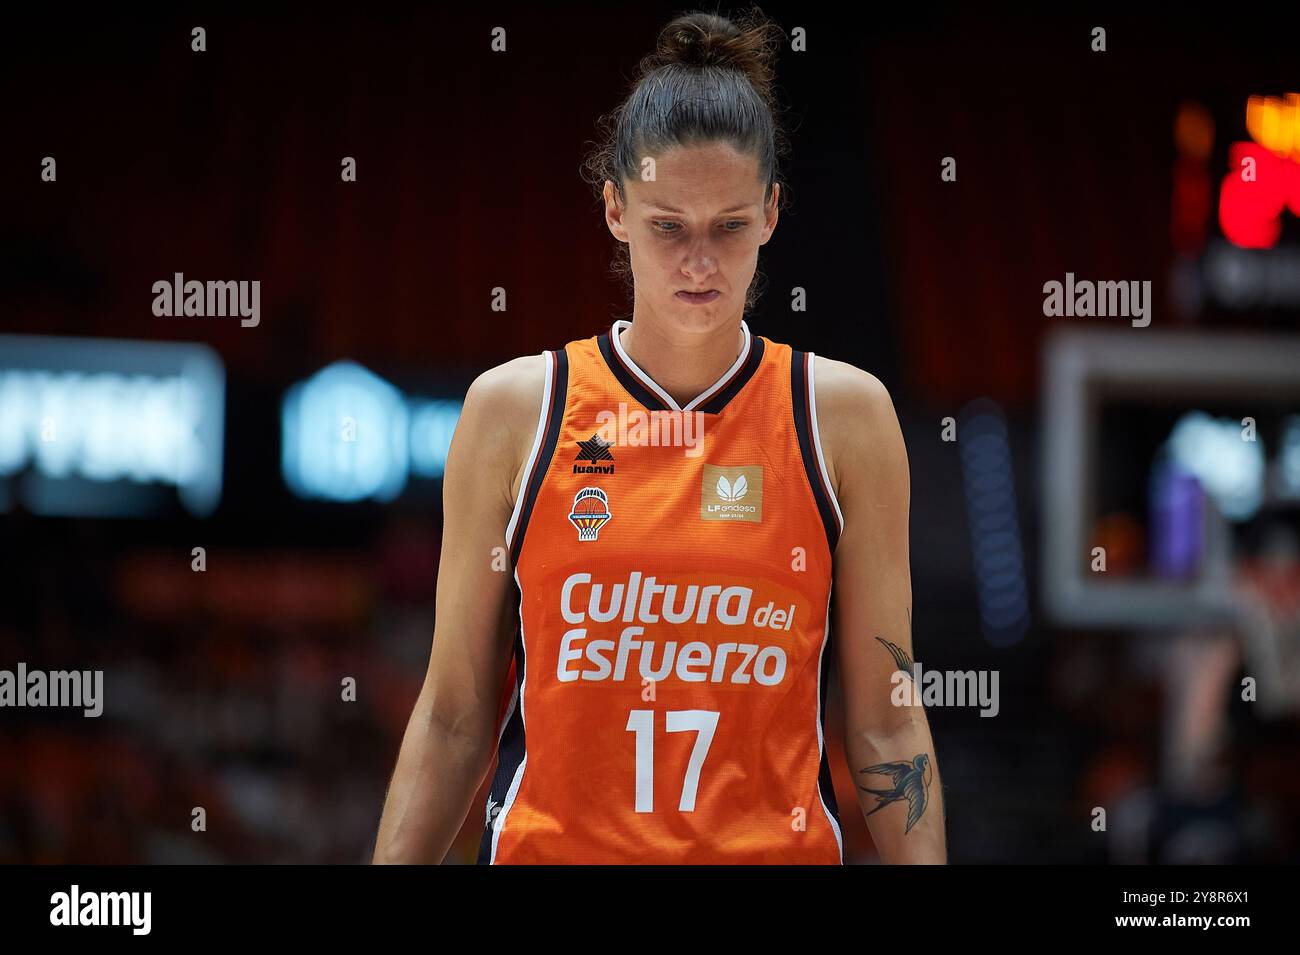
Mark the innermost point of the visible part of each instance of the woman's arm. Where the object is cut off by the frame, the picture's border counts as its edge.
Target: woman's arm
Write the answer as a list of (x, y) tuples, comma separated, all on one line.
[(452, 734), (889, 749)]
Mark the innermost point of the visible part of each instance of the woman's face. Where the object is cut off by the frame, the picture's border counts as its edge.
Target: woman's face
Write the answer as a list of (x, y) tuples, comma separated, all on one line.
[(696, 227)]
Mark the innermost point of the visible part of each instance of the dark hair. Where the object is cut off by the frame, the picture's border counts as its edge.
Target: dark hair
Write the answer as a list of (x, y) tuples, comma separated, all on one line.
[(709, 78)]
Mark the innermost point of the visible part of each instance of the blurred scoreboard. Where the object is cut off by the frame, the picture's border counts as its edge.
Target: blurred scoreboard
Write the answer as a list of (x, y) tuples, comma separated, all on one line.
[(118, 428), (109, 427)]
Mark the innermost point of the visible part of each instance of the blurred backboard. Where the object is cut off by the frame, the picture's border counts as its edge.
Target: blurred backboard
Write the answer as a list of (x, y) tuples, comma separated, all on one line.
[(1160, 450)]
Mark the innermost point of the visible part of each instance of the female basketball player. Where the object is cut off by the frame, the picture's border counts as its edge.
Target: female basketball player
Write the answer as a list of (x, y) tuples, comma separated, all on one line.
[(647, 525)]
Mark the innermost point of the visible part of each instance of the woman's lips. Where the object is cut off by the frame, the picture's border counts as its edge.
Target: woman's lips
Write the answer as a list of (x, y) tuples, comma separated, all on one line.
[(699, 298)]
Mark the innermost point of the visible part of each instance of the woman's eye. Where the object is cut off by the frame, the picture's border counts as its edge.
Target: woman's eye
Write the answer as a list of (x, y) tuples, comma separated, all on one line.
[(669, 228)]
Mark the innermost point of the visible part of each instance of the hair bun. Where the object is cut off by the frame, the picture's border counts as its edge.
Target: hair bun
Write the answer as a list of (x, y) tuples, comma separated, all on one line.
[(710, 40), (692, 41)]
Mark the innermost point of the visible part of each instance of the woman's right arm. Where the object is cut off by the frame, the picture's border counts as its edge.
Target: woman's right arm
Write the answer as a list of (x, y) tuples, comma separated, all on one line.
[(452, 734)]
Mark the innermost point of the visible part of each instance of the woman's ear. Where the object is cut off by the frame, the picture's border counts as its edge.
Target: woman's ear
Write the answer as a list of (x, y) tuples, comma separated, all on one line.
[(614, 211), (771, 213)]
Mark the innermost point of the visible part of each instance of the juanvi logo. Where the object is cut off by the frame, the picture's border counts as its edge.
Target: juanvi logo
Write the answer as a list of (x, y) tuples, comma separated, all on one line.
[(732, 494)]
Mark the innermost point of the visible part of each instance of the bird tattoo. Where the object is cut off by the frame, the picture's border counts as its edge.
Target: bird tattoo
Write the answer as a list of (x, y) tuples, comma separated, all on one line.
[(902, 661), (911, 781)]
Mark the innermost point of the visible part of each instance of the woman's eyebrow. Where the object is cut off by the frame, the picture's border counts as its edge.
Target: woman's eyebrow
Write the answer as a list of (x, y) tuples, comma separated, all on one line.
[(662, 208)]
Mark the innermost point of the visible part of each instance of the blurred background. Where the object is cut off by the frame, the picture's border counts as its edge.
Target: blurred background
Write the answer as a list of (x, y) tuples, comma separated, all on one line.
[(1108, 519)]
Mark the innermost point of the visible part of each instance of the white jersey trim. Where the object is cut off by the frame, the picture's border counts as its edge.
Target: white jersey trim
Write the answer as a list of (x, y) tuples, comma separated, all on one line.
[(817, 441), (532, 455), (821, 740), (499, 823), (666, 398)]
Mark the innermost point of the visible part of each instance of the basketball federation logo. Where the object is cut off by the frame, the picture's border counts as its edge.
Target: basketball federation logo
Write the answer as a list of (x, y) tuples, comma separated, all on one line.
[(590, 512)]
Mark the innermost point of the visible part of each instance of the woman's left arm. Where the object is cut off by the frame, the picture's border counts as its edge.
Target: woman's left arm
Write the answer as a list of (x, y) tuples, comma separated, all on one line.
[(887, 740)]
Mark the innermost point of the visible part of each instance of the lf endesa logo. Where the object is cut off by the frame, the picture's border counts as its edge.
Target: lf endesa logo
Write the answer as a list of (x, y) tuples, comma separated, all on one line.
[(732, 494), (694, 662)]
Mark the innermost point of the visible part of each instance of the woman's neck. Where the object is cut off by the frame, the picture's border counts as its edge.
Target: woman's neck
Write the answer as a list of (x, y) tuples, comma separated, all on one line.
[(682, 363)]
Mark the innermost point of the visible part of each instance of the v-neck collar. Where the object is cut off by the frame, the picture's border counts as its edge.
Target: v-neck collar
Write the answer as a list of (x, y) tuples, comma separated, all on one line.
[(646, 390)]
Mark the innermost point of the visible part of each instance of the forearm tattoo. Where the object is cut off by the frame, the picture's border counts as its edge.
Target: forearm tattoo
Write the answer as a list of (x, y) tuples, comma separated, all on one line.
[(902, 659), (911, 781)]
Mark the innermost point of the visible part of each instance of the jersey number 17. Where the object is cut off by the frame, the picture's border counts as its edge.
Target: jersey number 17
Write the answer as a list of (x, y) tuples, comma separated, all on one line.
[(641, 722)]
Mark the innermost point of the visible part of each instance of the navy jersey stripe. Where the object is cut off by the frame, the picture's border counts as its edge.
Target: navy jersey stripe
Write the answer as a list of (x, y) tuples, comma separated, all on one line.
[(513, 746), (799, 394), (824, 782), (742, 375), (625, 376), (628, 379), (554, 419)]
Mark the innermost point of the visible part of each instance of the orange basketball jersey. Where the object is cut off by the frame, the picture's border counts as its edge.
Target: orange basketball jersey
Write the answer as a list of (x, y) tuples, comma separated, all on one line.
[(673, 573)]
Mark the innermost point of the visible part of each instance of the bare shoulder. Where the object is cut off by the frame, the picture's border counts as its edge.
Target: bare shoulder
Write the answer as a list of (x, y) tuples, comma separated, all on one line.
[(850, 400), (855, 417), (843, 384), (511, 388), (501, 410)]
